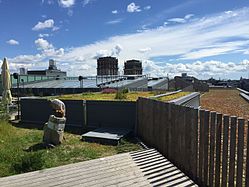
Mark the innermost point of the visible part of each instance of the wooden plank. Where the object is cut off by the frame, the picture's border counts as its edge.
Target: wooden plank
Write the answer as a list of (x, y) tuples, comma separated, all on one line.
[(212, 148), (218, 149), (225, 150), (247, 157), (149, 122), (165, 122), (206, 145), (177, 135), (139, 116), (194, 142), (169, 122), (240, 152), (156, 126), (173, 145), (232, 151), (181, 129), (161, 127), (187, 134), (201, 147)]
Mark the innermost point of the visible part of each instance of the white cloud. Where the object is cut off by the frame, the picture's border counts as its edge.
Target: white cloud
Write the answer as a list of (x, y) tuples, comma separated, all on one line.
[(55, 28), (112, 22), (144, 50), (246, 52), (43, 44), (47, 49), (181, 20), (177, 20), (43, 35), (86, 2), (66, 3), (188, 16), (114, 11), (70, 12), (47, 24), (200, 69), (132, 7), (147, 7), (205, 37), (117, 50), (12, 42)]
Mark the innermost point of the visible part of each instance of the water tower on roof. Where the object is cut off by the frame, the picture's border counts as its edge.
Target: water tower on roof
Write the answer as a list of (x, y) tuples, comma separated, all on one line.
[(107, 66), (52, 64)]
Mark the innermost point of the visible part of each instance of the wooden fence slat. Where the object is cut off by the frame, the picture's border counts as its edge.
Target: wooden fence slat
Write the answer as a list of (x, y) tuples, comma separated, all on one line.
[(192, 139), (169, 144), (150, 123), (139, 117), (187, 134), (206, 143), (174, 144), (194, 142), (212, 148), (247, 157), (232, 151), (178, 134), (218, 149), (165, 128), (201, 146), (225, 150), (156, 121), (240, 152), (182, 146)]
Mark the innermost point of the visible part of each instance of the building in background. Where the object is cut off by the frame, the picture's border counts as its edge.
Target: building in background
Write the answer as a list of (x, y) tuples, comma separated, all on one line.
[(51, 71), (133, 67), (23, 71), (107, 66)]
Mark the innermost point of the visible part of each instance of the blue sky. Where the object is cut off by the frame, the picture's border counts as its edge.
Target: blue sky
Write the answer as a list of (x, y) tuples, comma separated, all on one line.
[(205, 38)]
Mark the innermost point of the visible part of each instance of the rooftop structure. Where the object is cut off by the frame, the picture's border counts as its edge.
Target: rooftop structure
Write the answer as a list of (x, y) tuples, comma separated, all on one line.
[(51, 71), (107, 66), (133, 67)]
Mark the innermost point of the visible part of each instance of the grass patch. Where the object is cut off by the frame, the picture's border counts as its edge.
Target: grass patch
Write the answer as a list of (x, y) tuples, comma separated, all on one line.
[(173, 96), (130, 96), (21, 150)]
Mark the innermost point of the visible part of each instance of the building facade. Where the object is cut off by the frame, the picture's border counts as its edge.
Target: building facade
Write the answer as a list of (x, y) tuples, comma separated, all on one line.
[(133, 67), (107, 66), (51, 71)]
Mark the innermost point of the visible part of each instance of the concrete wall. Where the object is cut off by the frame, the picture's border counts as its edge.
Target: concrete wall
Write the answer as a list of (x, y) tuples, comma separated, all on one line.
[(190, 100)]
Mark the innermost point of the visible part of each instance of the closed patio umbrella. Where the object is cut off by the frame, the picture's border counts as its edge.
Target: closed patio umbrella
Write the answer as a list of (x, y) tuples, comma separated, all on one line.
[(6, 82)]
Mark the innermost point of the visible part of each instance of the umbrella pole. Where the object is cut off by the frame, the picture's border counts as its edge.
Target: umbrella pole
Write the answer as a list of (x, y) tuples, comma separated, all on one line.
[(7, 108)]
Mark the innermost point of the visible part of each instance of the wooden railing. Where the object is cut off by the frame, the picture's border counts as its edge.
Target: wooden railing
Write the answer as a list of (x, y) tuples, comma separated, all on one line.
[(211, 148)]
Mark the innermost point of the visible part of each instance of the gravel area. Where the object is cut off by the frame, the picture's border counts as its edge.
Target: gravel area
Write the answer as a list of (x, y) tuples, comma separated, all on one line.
[(225, 101)]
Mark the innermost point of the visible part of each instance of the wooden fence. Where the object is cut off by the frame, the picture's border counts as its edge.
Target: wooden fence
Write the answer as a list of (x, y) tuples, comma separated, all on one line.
[(211, 148)]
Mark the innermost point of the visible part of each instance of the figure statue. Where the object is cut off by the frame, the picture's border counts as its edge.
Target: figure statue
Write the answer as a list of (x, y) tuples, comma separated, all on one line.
[(54, 128)]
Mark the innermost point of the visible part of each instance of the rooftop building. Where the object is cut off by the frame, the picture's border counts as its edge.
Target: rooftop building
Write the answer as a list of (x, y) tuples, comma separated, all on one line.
[(133, 67), (51, 71), (107, 66)]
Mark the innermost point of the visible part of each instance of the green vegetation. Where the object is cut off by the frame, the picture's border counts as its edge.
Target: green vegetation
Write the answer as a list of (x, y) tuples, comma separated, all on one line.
[(131, 96), (173, 96), (21, 150), (123, 95)]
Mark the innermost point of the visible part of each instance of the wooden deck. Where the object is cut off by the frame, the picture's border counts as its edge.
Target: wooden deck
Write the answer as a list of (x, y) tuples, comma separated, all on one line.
[(142, 168)]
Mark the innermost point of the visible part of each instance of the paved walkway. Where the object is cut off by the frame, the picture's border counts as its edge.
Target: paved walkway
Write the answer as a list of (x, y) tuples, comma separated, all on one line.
[(142, 168)]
